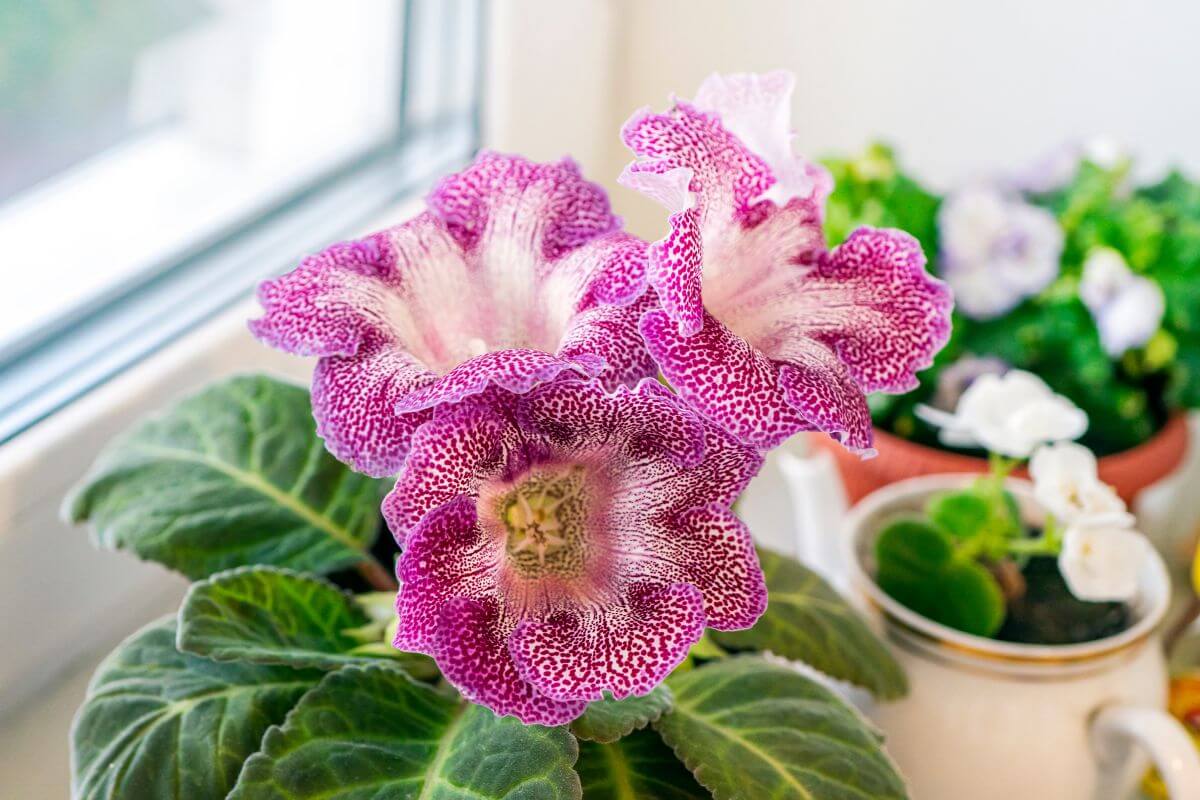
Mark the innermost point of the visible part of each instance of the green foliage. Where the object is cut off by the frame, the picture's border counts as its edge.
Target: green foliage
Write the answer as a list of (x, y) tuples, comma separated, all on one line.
[(161, 723), (1155, 228), (268, 615), (871, 190), (372, 732), (608, 720), (750, 729), (806, 620), (920, 566), (638, 767), (275, 684), (233, 476)]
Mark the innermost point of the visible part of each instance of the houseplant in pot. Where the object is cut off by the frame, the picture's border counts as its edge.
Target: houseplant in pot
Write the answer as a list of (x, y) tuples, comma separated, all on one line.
[(578, 611), (1071, 272), (1026, 615)]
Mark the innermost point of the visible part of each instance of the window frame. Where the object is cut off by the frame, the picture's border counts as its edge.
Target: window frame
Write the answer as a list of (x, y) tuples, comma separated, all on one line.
[(66, 357)]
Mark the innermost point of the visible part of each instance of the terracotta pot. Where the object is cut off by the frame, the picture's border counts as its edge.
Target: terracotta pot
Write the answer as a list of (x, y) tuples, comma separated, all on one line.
[(1128, 472)]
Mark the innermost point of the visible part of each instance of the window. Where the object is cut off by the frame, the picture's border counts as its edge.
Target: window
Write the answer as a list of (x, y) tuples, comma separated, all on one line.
[(159, 157)]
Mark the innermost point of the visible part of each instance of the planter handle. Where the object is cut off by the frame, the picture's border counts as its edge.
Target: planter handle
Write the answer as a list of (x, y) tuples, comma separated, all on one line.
[(1116, 729)]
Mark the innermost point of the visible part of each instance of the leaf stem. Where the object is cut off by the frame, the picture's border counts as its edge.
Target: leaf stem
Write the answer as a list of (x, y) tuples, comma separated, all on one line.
[(375, 574)]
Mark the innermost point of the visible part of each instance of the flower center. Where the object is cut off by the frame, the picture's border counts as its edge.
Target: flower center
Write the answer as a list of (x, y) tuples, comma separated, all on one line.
[(544, 517)]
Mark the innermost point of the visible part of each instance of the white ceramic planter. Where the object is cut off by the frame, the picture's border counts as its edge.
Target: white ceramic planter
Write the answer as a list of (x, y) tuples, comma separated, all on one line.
[(986, 719)]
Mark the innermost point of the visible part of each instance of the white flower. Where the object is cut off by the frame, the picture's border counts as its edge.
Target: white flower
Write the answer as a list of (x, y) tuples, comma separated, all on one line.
[(996, 250), (1009, 415), (1127, 308), (1102, 562), (1066, 483)]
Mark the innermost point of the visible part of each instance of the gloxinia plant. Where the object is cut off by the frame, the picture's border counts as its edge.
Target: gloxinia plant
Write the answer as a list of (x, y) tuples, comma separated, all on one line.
[(570, 570), (1069, 270), (762, 328), (974, 563)]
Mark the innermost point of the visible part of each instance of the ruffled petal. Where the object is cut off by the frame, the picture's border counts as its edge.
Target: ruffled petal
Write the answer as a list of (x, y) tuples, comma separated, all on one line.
[(447, 556), (821, 389), (758, 110), (353, 398), (505, 204), (626, 647), (515, 371), (884, 315), (611, 333), (450, 456), (514, 262), (724, 378), (610, 270), (710, 548), (471, 650), (727, 177), (317, 309), (647, 422)]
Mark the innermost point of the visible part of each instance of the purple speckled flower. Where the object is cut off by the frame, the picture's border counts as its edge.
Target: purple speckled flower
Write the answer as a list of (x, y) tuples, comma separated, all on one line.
[(567, 542), (762, 328), (516, 273)]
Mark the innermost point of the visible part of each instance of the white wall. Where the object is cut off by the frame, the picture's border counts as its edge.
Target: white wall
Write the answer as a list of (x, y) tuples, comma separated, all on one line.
[(960, 87)]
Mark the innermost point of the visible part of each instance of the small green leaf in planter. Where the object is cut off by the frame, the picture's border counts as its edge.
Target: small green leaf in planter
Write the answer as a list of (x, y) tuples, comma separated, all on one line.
[(750, 729), (269, 615), (608, 720), (917, 565), (372, 732), (638, 767), (233, 476), (806, 620), (967, 513), (160, 723)]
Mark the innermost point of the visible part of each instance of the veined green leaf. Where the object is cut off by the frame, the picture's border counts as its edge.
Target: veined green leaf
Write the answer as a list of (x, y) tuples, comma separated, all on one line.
[(638, 767), (158, 723), (806, 620), (372, 732), (269, 615), (233, 476), (608, 720), (749, 729)]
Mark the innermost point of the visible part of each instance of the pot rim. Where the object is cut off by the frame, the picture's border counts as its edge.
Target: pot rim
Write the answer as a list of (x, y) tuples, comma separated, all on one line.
[(1151, 603), (1176, 425)]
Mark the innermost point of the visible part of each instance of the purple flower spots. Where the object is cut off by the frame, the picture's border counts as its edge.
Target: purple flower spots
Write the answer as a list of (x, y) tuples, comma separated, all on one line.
[(517, 273), (569, 542), (763, 329)]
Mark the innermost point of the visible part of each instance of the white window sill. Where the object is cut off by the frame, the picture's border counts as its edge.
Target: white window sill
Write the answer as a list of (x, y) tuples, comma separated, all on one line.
[(66, 602)]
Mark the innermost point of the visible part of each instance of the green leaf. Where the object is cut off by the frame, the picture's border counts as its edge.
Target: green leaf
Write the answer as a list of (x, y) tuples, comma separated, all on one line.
[(372, 732), (638, 767), (269, 615), (233, 476), (750, 729), (608, 720), (919, 567), (160, 723), (806, 620), (963, 514)]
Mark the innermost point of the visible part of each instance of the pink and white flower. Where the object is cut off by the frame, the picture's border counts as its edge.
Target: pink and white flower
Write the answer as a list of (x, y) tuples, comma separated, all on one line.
[(996, 249), (763, 329), (516, 273), (570, 542), (1127, 308)]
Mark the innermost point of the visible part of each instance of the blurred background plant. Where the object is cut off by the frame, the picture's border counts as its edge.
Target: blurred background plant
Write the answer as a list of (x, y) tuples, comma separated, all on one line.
[(1104, 304)]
